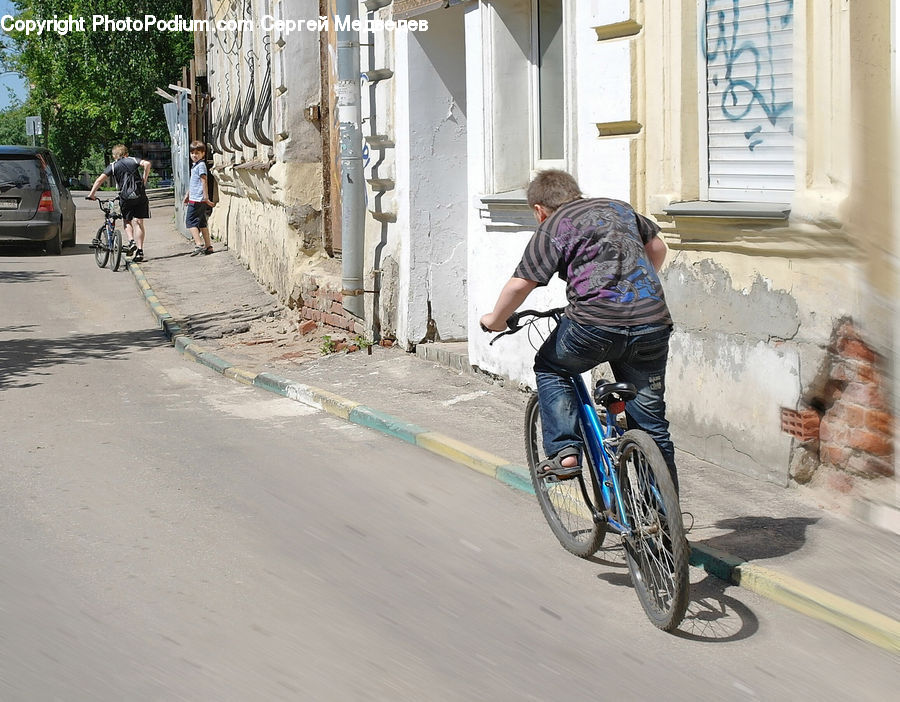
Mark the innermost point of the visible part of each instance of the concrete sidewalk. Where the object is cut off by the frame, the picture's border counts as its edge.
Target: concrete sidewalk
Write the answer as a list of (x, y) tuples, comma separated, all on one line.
[(777, 542)]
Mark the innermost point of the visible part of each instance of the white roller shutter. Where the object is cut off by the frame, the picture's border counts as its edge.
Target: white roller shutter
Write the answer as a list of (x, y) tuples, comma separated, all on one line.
[(749, 100)]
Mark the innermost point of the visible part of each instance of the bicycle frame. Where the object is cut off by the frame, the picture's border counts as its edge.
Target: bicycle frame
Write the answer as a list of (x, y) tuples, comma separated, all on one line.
[(595, 438), (594, 435), (109, 220)]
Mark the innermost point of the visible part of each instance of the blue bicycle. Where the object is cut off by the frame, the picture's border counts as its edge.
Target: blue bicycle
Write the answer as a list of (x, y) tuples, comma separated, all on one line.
[(624, 486)]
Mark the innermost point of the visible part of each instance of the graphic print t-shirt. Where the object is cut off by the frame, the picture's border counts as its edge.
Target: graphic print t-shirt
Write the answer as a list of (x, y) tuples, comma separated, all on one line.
[(597, 247)]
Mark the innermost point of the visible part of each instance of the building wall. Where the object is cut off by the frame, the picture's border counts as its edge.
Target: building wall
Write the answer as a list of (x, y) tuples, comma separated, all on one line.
[(759, 302), (773, 312), (416, 229), (270, 208), (765, 306)]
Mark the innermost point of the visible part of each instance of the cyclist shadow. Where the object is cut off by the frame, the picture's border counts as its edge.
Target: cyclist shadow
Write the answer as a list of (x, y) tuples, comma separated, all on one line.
[(712, 616), (753, 538)]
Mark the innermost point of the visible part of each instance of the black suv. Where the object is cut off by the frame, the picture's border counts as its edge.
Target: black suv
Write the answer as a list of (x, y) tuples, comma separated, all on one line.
[(35, 204)]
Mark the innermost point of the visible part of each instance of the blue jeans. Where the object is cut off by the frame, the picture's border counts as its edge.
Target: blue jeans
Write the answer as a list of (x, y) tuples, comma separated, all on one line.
[(636, 355)]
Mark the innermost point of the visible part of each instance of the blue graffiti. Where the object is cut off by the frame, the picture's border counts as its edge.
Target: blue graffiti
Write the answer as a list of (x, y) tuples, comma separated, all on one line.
[(740, 93)]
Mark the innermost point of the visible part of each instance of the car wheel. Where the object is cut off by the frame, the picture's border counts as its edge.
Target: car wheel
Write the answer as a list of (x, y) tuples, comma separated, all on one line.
[(71, 242), (54, 245)]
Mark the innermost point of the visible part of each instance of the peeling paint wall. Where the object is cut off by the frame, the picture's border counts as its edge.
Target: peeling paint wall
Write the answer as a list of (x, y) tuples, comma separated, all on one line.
[(416, 231), (431, 179), (270, 208), (732, 366), (278, 241), (751, 336)]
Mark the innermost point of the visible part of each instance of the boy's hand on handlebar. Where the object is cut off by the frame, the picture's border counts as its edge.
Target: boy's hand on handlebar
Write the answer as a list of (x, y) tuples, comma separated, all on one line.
[(490, 323)]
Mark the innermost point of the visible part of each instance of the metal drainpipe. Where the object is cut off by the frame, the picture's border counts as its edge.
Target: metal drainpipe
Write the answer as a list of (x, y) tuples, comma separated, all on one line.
[(353, 195)]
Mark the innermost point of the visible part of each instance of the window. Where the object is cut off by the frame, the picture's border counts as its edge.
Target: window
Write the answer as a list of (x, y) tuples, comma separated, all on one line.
[(548, 81), (748, 132), (525, 90)]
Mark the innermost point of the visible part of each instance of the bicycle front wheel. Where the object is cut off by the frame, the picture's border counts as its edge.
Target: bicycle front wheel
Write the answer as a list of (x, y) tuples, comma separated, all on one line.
[(657, 550), (101, 253), (568, 505), (115, 254)]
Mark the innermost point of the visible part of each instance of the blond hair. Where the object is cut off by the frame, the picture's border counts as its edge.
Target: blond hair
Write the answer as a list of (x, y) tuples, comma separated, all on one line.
[(119, 151)]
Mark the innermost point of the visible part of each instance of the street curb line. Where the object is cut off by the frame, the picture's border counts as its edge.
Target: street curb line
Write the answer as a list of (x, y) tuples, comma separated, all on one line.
[(240, 375), (459, 452), (857, 620), (813, 601), (386, 424)]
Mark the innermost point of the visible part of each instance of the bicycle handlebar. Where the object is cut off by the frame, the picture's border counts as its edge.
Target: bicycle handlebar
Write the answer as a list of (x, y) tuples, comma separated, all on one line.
[(106, 211), (513, 322)]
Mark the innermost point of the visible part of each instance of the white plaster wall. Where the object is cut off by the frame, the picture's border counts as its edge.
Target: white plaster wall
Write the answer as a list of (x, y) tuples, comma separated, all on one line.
[(437, 189), (406, 314), (476, 172), (714, 413), (602, 87), (495, 256)]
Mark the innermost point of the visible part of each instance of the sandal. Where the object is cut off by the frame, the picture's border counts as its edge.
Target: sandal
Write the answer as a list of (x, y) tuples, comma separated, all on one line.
[(553, 466)]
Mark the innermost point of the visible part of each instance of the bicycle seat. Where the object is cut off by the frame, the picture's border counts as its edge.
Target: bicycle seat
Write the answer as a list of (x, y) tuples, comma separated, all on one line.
[(607, 392)]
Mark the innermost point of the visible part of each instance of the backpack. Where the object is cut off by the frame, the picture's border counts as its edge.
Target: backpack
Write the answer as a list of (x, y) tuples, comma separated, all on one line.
[(131, 185), (212, 187)]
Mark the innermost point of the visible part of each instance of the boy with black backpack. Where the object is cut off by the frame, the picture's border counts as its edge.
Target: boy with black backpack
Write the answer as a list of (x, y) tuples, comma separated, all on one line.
[(132, 195)]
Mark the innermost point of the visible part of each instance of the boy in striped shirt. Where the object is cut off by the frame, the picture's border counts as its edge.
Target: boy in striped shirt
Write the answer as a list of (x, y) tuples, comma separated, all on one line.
[(609, 256)]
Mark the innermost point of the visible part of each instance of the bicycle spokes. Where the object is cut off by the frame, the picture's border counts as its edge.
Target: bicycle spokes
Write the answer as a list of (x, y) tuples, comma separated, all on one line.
[(650, 539)]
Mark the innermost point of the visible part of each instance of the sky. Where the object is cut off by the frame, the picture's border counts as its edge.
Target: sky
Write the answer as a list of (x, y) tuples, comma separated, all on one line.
[(11, 80)]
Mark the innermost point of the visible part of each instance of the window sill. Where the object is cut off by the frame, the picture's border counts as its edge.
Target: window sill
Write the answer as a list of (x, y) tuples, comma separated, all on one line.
[(507, 211), (509, 198), (730, 210)]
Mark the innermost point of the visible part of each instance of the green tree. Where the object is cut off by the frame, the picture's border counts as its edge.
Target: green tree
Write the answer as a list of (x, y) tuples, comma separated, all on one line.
[(12, 123), (96, 88)]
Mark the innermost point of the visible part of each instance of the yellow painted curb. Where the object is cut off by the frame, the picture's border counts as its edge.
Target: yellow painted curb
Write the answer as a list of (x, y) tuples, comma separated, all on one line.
[(240, 375), (333, 404), (862, 622), (479, 460)]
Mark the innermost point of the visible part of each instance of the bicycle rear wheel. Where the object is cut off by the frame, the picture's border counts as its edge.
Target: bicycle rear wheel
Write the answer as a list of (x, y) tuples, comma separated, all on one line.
[(657, 551), (101, 253), (565, 503), (115, 254)]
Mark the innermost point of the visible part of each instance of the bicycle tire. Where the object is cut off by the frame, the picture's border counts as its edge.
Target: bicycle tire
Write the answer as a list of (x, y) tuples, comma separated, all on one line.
[(101, 253), (115, 254), (658, 553), (562, 502)]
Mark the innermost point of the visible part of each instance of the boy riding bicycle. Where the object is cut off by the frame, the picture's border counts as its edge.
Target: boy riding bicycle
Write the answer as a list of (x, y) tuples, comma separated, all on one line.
[(609, 257)]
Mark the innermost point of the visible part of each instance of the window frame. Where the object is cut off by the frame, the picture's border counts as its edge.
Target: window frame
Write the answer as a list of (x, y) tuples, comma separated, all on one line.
[(538, 163)]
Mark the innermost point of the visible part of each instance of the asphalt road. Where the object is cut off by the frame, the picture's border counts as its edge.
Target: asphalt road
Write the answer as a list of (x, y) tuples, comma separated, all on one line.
[(168, 534)]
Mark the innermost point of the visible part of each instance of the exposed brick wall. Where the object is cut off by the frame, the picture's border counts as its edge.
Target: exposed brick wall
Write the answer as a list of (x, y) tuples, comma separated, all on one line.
[(856, 431), (322, 302)]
